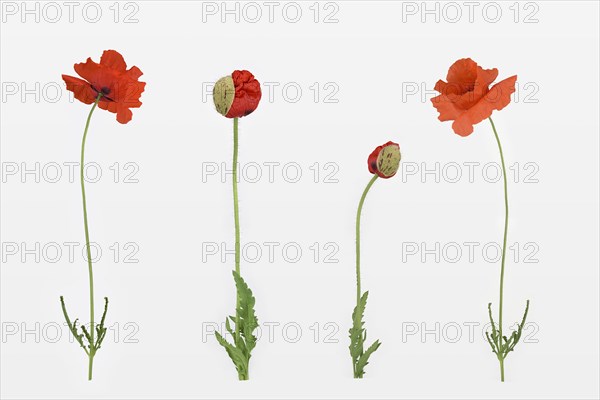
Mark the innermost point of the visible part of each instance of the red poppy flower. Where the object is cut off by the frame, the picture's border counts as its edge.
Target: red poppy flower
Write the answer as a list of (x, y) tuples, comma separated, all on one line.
[(467, 99), (119, 86), (237, 95), (385, 160)]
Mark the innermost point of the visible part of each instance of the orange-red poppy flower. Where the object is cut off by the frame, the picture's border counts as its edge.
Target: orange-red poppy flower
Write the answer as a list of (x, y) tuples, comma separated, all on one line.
[(467, 99), (385, 160), (237, 95), (118, 85)]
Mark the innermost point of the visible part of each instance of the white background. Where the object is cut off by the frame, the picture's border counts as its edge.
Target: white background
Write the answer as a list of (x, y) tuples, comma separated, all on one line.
[(372, 55)]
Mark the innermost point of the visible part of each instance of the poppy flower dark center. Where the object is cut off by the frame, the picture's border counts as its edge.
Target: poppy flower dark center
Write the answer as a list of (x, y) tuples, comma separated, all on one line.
[(104, 91)]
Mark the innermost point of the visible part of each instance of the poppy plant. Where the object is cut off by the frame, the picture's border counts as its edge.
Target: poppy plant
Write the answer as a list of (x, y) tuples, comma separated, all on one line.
[(383, 163), (110, 86), (467, 99), (236, 96)]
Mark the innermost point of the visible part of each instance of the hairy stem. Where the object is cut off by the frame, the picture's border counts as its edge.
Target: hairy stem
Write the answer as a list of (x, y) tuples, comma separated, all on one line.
[(503, 245), (236, 217), (358, 213), (87, 235)]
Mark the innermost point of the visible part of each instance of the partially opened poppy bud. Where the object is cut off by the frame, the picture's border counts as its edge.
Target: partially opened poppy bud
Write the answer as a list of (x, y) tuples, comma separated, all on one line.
[(385, 160), (237, 95)]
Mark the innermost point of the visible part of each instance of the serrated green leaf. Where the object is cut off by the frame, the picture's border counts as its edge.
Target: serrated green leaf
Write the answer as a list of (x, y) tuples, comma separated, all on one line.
[(363, 361), (358, 336), (359, 311), (228, 327), (491, 343), (245, 323), (357, 332), (73, 326), (516, 335), (100, 329), (245, 311), (493, 324), (87, 336), (238, 358), (501, 346)]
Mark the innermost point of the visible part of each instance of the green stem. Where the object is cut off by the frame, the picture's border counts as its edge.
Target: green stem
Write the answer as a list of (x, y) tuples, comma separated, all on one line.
[(358, 212), (236, 216), (90, 366), (87, 235), (503, 245)]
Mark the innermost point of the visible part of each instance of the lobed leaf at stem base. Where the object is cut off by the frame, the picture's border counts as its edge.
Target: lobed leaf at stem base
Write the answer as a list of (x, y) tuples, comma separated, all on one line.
[(358, 337), (244, 340), (92, 346), (501, 346)]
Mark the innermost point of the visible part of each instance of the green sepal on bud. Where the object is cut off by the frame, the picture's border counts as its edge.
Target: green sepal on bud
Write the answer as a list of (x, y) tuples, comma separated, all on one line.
[(224, 94)]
